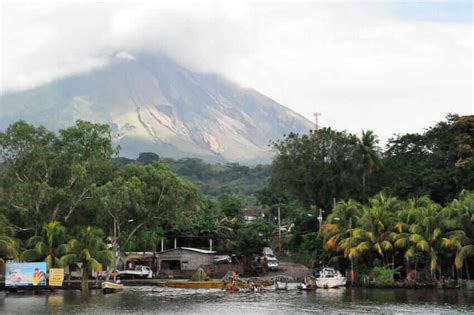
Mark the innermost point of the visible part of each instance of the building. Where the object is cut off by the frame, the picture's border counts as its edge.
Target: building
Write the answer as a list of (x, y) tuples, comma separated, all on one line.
[(252, 213), (184, 258)]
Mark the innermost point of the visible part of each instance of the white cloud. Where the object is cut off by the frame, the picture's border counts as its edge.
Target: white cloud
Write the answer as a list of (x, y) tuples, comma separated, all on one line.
[(125, 55), (358, 64)]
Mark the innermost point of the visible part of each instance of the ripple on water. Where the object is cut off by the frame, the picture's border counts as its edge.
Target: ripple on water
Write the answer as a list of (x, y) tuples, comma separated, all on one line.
[(215, 301)]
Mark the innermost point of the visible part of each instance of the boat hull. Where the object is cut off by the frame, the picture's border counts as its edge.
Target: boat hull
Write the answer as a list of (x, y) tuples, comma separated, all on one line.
[(110, 287), (329, 283), (193, 284), (206, 284)]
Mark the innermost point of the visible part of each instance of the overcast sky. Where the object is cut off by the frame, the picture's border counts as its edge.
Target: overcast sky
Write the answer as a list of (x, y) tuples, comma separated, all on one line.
[(381, 65)]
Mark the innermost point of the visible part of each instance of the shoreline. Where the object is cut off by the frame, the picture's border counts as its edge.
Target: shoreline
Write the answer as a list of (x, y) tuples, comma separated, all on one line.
[(96, 285)]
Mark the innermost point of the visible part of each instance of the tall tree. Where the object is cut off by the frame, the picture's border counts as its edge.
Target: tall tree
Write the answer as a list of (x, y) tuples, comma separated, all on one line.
[(85, 151), (369, 152), (316, 168), (30, 158), (438, 162)]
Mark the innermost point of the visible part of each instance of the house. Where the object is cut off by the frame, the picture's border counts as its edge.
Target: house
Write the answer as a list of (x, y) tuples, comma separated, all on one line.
[(184, 258), (134, 259), (252, 213)]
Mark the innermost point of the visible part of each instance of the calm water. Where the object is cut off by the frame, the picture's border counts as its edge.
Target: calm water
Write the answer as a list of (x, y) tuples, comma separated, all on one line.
[(166, 300)]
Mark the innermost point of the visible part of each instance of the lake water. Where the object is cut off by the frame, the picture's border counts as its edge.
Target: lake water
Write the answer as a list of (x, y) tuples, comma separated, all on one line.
[(185, 301)]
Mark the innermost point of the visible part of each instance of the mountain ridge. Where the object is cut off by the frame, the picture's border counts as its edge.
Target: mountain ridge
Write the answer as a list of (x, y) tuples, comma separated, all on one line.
[(154, 104)]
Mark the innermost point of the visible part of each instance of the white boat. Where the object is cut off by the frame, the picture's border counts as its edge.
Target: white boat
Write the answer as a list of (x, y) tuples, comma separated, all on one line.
[(330, 278), (281, 283)]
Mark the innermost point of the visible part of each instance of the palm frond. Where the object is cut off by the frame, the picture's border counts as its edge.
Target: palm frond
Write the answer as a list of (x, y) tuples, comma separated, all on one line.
[(464, 253), (68, 260), (387, 246), (415, 238), (423, 246), (402, 243), (31, 242), (31, 255)]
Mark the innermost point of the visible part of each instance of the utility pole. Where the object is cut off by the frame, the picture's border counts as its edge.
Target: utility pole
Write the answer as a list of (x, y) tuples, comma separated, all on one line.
[(352, 260), (279, 225), (316, 119), (320, 219)]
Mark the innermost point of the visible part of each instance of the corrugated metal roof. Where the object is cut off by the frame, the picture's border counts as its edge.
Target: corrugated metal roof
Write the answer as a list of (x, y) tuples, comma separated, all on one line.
[(202, 251), (197, 250)]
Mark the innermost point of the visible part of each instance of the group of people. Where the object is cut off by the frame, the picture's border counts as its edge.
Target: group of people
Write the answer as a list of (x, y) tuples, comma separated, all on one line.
[(233, 283)]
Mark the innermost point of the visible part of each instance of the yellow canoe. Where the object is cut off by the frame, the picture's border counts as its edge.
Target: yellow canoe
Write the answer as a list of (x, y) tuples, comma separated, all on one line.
[(111, 287), (193, 284), (213, 284)]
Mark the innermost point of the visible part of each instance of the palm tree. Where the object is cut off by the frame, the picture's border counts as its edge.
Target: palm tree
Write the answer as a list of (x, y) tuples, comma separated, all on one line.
[(9, 245), (369, 153), (460, 215), (48, 246), (91, 251), (338, 223), (428, 237), (373, 235)]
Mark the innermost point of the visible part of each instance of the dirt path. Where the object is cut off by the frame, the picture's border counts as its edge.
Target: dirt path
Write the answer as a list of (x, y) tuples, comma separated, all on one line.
[(290, 270)]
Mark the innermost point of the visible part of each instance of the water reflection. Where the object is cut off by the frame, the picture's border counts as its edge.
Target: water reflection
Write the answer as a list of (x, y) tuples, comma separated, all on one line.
[(215, 301)]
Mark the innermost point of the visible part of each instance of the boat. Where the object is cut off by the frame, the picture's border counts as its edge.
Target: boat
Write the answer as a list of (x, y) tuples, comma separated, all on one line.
[(111, 287), (281, 283), (211, 284), (330, 278), (307, 284)]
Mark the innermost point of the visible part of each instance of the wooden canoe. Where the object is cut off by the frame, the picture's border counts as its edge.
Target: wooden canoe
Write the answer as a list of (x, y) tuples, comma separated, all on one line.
[(193, 284), (213, 284)]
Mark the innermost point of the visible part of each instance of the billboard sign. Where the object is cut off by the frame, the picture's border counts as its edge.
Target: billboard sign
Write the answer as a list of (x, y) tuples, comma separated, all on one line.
[(25, 274), (56, 277)]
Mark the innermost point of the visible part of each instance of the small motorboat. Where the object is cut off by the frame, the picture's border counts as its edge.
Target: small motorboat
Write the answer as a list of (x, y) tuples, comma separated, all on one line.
[(307, 284), (111, 287), (330, 278)]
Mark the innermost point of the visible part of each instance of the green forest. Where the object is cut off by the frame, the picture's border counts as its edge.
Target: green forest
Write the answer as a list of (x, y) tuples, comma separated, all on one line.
[(406, 209)]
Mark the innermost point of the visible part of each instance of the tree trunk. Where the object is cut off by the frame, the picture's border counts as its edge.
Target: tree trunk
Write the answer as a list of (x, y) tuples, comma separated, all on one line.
[(363, 185), (416, 265), (85, 279), (467, 270)]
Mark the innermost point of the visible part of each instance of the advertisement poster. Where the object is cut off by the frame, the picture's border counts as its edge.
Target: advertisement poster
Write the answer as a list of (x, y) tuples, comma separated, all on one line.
[(25, 274), (56, 277)]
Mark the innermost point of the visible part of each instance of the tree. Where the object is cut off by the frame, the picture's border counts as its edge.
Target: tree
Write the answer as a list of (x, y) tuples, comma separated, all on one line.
[(9, 245), (316, 168), (251, 238), (459, 214), (232, 206), (48, 177), (48, 246), (369, 152), (371, 236), (427, 237), (123, 200), (30, 159), (90, 250), (85, 151), (438, 163), (147, 157), (338, 223)]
